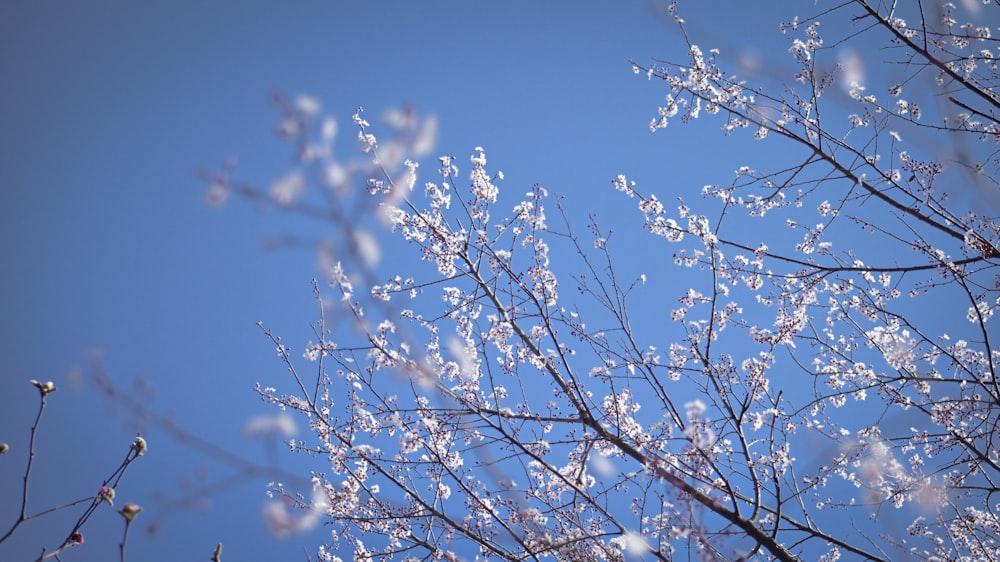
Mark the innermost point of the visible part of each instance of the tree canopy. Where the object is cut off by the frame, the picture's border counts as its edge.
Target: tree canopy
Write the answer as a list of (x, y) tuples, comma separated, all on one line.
[(823, 385)]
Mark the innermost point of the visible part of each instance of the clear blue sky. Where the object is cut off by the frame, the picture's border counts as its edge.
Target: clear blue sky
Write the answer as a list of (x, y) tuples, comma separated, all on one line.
[(107, 110)]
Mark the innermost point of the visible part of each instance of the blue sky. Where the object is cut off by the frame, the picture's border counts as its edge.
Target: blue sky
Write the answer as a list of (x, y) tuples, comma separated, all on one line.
[(108, 110)]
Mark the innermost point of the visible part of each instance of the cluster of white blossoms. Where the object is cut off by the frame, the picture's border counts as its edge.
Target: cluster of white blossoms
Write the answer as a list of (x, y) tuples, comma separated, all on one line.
[(821, 352)]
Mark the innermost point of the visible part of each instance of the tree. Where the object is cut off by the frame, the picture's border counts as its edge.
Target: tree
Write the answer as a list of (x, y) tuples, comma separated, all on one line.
[(826, 386)]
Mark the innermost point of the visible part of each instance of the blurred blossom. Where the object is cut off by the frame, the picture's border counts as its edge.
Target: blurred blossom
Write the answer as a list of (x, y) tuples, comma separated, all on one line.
[(399, 117), (391, 154), (75, 378), (217, 194), (289, 127), (468, 363), (326, 257), (602, 466), (750, 63), (282, 423), (972, 6), (633, 544), (288, 188), (426, 137), (853, 68), (694, 409), (329, 128), (336, 175), (308, 105), (281, 520), (367, 247)]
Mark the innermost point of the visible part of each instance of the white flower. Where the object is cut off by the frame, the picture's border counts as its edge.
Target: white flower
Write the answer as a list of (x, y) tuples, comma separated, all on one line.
[(899, 349), (982, 309)]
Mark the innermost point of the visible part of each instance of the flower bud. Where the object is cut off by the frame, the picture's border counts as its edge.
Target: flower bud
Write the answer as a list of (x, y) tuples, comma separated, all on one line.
[(129, 511), (43, 387), (139, 446), (106, 494)]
